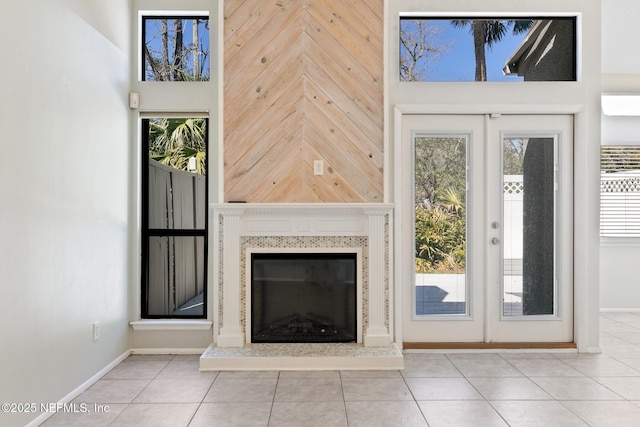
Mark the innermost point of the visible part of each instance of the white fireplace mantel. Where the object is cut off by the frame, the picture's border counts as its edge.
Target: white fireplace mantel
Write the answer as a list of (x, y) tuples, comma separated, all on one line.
[(234, 221)]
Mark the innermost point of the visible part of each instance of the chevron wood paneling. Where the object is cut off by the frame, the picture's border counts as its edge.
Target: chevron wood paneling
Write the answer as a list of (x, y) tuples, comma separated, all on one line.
[(303, 81)]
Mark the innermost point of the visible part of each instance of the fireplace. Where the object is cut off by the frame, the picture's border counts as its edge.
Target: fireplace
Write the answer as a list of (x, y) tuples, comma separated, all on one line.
[(303, 297), (357, 310)]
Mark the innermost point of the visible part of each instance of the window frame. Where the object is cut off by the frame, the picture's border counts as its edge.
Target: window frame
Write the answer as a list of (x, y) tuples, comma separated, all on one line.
[(147, 233), (145, 15), (172, 99)]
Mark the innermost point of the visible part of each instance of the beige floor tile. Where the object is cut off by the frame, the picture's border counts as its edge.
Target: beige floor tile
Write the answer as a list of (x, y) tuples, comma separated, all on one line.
[(308, 414), (605, 414), (241, 390), (136, 370), (248, 374), (545, 368), (536, 414), (370, 374), (442, 389), (485, 367), (310, 374), (183, 368), (156, 414), (509, 389), (308, 390), (461, 413), (372, 389), (627, 387), (427, 367), (239, 414), (103, 417), (384, 414), (175, 391), (632, 363), (575, 389), (113, 391), (603, 367)]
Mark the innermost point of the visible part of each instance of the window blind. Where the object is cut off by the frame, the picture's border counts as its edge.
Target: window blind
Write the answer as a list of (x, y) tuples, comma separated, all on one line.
[(620, 191)]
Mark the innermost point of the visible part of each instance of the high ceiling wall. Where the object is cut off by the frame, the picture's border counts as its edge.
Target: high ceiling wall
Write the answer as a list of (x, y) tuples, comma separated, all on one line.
[(303, 81)]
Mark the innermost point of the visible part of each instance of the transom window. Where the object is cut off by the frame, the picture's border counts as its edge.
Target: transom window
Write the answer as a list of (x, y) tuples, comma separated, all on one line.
[(175, 48), (458, 49)]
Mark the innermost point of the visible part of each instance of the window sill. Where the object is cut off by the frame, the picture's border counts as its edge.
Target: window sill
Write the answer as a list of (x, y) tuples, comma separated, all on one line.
[(171, 325)]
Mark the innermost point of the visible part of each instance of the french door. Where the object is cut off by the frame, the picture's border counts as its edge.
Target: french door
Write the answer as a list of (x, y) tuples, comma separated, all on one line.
[(487, 228)]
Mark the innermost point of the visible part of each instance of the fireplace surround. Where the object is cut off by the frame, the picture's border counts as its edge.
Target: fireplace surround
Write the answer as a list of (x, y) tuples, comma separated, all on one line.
[(244, 229)]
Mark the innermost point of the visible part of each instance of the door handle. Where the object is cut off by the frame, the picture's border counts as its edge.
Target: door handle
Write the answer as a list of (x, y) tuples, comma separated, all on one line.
[(495, 241)]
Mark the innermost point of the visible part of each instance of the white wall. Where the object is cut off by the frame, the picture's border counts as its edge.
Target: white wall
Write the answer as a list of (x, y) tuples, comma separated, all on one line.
[(64, 182), (619, 268), (619, 275)]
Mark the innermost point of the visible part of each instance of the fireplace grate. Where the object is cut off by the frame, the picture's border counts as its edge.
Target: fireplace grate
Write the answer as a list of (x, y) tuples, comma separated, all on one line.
[(309, 328)]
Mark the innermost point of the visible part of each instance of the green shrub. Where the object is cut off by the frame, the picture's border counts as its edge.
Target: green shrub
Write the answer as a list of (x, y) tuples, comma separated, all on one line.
[(440, 239)]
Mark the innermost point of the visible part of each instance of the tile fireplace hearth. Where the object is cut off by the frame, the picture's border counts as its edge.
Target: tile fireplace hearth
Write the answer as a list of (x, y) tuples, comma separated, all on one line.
[(245, 230)]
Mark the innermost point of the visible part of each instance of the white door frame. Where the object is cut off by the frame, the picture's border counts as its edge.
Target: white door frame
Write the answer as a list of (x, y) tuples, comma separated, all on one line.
[(586, 310)]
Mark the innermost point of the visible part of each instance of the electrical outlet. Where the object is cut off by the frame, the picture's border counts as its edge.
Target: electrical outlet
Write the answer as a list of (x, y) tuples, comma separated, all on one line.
[(96, 331), (318, 167)]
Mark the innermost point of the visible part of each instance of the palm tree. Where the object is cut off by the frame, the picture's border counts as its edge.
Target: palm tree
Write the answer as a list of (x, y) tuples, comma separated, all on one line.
[(174, 141), (487, 32)]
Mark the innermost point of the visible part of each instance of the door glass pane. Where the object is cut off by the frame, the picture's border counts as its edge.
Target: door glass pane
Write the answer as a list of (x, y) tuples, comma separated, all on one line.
[(529, 226), (440, 224)]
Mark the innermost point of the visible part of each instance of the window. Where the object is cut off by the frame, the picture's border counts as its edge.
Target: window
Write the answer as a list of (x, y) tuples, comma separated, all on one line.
[(461, 49), (620, 191), (175, 48), (174, 217)]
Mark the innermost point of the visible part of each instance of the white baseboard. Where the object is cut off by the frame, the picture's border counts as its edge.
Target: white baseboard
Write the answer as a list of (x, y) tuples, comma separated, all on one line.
[(167, 350), (83, 387), (619, 310)]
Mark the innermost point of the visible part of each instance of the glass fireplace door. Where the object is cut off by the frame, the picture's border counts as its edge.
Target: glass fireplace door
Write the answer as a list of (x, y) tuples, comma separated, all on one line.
[(303, 297)]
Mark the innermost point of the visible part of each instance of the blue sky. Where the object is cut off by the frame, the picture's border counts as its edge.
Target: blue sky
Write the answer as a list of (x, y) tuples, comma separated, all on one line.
[(458, 63)]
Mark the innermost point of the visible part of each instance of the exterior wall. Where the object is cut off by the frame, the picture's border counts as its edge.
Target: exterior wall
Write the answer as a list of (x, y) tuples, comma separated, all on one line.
[(554, 58), (64, 186), (303, 81), (619, 269)]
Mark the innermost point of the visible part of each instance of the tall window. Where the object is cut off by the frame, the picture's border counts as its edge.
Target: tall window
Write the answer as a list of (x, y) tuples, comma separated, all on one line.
[(174, 217), (620, 191)]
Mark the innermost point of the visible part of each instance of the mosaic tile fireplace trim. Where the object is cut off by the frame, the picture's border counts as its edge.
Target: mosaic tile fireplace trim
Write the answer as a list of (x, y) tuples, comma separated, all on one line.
[(310, 244), (241, 227)]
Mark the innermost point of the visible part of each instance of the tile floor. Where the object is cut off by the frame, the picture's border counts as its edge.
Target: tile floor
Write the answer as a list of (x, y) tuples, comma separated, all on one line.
[(452, 389)]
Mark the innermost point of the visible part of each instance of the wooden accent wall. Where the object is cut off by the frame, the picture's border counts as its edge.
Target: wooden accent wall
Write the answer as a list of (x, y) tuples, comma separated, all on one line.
[(303, 81)]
